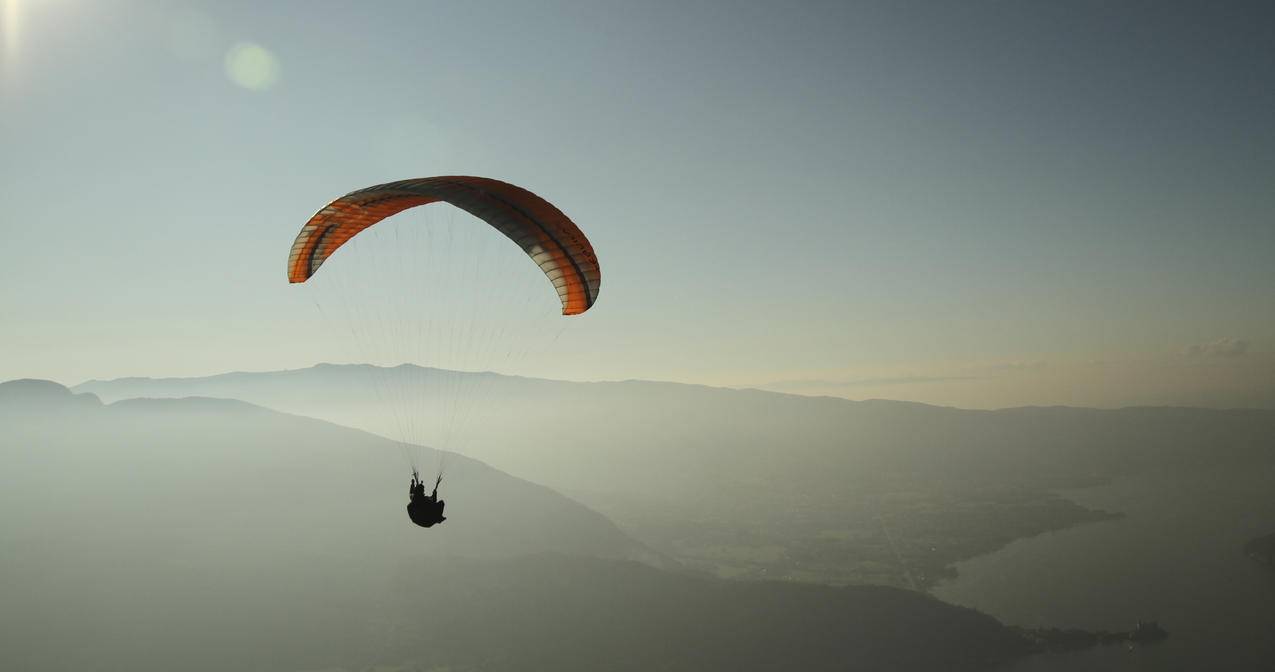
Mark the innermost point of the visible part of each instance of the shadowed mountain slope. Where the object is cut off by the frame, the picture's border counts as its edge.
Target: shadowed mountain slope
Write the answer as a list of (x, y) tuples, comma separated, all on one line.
[(190, 468)]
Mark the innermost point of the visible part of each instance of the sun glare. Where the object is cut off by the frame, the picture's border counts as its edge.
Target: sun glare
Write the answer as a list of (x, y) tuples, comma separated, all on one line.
[(11, 18)]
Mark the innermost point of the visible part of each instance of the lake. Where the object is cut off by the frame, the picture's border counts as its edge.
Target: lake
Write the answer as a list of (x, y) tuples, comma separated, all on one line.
[(1175, 558)]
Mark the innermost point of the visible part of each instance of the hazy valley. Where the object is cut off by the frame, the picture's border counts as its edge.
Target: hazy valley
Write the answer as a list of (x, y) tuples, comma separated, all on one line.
[(753, 484)]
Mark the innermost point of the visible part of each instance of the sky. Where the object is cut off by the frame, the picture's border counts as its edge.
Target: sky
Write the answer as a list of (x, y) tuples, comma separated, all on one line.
[(979, 204)]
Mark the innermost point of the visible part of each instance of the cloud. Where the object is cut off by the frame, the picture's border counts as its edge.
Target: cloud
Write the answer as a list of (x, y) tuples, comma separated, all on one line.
[(1222, 347)]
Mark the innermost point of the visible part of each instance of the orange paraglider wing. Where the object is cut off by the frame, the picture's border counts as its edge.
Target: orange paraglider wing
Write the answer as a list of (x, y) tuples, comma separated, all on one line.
[(548, 236)]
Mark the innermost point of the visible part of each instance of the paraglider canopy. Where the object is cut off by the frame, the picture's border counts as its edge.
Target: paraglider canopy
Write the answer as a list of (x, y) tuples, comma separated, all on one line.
[(547, 235)]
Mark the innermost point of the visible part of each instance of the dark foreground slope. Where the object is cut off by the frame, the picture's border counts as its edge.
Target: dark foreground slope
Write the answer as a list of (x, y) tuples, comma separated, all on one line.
[(201, 534), (578, 614), (535, 613)]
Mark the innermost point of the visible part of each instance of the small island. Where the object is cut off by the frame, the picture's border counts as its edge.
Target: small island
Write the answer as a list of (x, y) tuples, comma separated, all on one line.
[(1262, 549)]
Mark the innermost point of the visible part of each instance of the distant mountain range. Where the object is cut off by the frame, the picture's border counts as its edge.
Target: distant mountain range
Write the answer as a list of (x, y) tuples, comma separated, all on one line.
[(691, 442), (764, 484)]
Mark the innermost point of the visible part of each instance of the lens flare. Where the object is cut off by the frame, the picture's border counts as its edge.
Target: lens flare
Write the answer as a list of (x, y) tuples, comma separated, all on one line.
[(252, 66)]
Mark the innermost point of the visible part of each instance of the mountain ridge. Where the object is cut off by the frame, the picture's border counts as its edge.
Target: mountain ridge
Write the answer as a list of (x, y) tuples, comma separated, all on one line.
[(407, 366)]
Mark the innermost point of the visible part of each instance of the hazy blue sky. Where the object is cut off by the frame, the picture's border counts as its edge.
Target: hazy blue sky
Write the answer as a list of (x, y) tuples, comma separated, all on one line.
[(975, 203)]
